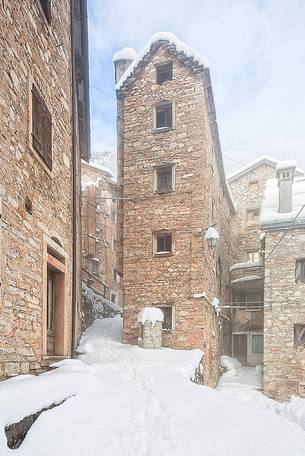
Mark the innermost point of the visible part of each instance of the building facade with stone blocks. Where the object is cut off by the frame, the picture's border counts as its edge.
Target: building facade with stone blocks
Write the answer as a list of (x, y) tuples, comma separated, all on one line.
[(171, 188), (283, 222), (99, 233), (247, 186), (44, 69)]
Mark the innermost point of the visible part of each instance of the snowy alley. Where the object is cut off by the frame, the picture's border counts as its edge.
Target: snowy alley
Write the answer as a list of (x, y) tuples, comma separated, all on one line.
[(124, 400)]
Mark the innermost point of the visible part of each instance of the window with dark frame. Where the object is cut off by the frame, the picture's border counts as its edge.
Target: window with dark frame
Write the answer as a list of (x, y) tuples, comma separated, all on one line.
[(300, 271), (299, 335), (46, 7), (164, 178), (163, 243), (167, 324), (164, 72), (164, 115), (252, 216), (41, 128)]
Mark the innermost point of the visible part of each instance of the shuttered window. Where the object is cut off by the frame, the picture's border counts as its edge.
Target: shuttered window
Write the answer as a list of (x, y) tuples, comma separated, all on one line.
[(41, 127)]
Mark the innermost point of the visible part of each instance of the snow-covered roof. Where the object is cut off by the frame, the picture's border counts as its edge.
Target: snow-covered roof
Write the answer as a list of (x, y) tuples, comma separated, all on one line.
[(271, 217), (97, 167), (127, 53), (249, 278), (248, 264), (263, 160), (154, 39)]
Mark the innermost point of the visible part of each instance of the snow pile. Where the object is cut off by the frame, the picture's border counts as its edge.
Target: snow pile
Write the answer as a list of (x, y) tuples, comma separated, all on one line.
[(246, 386), (162, 36), (229, 363), (127, 53), (211, 233), (130, 401), (95, 306), (270, 207), (152, 314)]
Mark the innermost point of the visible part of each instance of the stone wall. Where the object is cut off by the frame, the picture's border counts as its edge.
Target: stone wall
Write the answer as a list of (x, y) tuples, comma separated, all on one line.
[(197, 202), (246, 239), (32, 50), (284, 364), (99, 220)]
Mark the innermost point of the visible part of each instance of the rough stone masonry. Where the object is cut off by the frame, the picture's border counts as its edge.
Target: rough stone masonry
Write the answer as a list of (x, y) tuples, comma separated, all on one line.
[(199, 199)]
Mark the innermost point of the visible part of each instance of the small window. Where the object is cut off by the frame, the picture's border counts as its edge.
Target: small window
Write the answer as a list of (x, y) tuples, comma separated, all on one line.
[(163, 243), (252, 216), (114, 245), (41, 128), (253, 256), (164, 72), (257, 344), (164, 178), (300, 271), (46, 7), (299, 335), (164, 116), (253, 186), (113, 298), (167, 324)]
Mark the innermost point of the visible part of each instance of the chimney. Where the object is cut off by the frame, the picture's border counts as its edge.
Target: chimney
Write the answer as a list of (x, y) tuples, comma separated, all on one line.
[(122, 60), (285, 172)]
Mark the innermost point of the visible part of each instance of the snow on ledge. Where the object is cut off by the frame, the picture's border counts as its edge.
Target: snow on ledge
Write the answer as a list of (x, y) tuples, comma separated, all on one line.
[(162, 36), (247, 264), (127, 53), (286, 164), (248, 278), (152, 314)]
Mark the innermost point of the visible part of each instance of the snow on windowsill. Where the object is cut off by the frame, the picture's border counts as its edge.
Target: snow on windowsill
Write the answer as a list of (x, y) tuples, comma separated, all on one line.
[(246, 264)]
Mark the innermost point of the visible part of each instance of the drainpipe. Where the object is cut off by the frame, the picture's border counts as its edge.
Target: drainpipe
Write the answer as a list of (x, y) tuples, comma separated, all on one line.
[(74, 180)]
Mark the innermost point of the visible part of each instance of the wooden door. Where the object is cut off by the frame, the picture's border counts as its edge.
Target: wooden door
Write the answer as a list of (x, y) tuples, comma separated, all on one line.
[(50, 314), (240, 347)]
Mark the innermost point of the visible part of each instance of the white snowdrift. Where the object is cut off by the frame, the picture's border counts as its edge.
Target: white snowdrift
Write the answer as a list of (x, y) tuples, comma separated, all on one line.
[(130, 401)]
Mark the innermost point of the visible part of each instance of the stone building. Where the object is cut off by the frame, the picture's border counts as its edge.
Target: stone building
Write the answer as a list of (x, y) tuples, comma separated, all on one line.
[(283, 222), (99, 233), (44, 112), (247, 271), (172, 187)]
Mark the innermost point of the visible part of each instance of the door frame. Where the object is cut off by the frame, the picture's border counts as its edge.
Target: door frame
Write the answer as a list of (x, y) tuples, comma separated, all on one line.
[(252, 358)]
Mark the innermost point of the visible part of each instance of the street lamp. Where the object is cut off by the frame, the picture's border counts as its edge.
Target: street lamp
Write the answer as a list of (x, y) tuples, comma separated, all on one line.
[(211, 236)]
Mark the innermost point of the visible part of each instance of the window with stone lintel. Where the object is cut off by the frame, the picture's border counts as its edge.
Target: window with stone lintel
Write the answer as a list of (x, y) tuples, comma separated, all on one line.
[(164, 115), (163, 243)]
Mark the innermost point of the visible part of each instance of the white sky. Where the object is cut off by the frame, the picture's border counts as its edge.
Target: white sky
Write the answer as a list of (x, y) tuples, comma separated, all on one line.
[(256, 51)]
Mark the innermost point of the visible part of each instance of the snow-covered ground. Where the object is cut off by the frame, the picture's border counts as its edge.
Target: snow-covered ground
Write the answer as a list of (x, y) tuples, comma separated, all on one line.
[(128, 401)]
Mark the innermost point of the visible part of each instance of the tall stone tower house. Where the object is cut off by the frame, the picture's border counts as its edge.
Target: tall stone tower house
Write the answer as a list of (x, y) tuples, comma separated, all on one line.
[(172, 187)]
